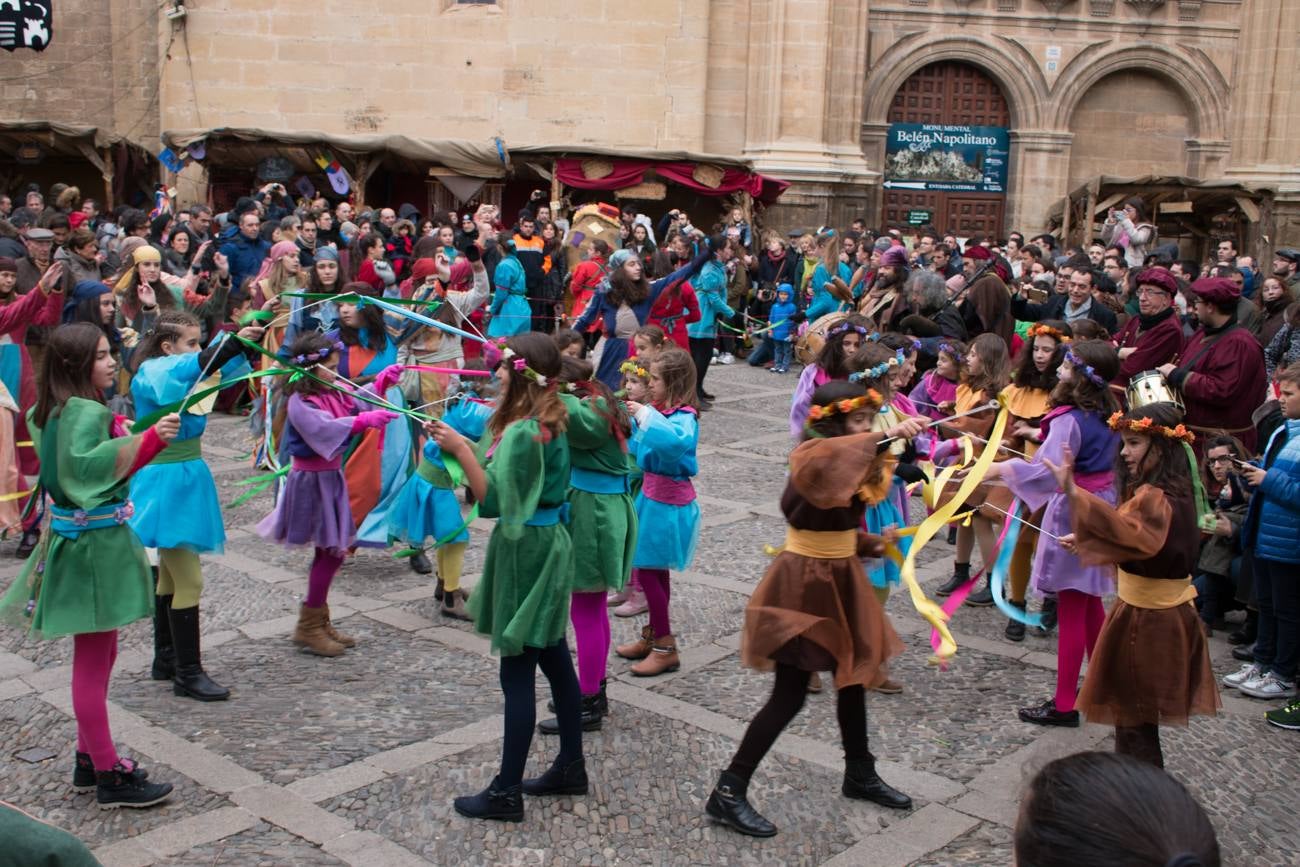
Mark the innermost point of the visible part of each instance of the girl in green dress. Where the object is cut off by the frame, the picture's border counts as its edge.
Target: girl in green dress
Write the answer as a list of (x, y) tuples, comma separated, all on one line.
[(521, 478), (89, 577)]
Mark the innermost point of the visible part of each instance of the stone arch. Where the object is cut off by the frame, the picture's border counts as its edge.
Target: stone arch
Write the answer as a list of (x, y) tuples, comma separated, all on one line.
[(1009, 65), (1191, 72)]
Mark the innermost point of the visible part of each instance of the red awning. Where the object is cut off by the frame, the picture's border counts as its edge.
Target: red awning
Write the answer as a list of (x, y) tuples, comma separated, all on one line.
[(627, 173)]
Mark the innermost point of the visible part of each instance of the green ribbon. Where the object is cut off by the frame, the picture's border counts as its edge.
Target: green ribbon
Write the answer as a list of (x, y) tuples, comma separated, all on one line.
[(142, 424), (256, 316), (353, 298), (261, 482), (1205, 516)]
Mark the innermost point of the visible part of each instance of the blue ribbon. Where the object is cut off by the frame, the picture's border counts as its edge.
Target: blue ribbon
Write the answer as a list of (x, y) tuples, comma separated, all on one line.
[(417, 317), (1002, 565)]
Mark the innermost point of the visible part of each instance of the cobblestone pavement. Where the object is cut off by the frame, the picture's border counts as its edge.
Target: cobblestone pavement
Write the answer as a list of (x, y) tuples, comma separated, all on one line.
[(355, 760)]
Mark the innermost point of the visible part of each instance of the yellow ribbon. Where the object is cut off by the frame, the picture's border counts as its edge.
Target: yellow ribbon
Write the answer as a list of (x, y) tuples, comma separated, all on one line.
[(931, 525), (18, 496)]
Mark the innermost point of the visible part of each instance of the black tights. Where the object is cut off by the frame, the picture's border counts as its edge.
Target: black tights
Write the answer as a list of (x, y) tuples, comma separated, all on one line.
[(518, 676), (702, 355), (1142, 742), (788, 693)]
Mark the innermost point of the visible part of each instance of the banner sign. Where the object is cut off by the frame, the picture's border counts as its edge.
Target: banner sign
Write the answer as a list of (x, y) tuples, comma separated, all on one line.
[(26, 24), (948, 158)]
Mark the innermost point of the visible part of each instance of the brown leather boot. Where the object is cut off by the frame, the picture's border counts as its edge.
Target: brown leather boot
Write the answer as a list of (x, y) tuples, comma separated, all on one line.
[(345, 640), (663, 657), (310, 634), (453, 605), (640, 648)]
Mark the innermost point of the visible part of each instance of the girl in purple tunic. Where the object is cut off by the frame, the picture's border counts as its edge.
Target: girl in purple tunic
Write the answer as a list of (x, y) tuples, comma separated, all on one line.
[(313, 507), (1082, 401)]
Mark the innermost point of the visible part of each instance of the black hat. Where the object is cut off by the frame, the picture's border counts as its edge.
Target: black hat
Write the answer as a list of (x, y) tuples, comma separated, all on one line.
[(1291, 254)]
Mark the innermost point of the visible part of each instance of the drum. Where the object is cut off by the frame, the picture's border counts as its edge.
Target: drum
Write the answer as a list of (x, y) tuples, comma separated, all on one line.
[(1150, 387), (811, 341)]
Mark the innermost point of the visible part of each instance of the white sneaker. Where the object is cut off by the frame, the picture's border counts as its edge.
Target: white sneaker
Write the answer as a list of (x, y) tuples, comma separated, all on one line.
[(1268, 686), (1249, 671), (726, 358)]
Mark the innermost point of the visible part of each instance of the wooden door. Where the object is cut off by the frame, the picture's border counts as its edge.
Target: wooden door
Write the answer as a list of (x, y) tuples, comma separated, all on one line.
[(950, 92)]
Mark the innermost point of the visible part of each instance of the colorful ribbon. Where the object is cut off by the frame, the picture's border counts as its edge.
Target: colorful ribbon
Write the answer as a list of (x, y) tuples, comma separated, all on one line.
[(416, 317)]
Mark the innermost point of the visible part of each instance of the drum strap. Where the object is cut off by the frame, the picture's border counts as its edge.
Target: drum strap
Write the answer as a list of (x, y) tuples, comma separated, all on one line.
[(1206, 347)]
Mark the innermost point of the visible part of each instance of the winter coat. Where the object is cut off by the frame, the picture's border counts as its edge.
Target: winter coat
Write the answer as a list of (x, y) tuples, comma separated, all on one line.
[(1217, 552), (780, 315), (1282, 351), (245, 257), (1273, 522), (711, 290), (1054, 308), (77, 269)]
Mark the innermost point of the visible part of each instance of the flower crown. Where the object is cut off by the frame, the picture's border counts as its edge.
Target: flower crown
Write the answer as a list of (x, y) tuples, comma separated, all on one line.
[(1087, 369), (1041, 330), (1147, 426), (871, 399), (319, 355), (951, 351), (880, 369), (520, 366), (845, 327), (632, 367)]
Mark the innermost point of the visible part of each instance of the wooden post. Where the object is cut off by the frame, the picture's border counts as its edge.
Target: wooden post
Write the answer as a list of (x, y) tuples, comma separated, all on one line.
[(557, 189), (108, 172), (365, 167)]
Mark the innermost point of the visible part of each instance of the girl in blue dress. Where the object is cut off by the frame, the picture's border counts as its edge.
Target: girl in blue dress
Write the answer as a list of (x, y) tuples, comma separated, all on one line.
[(509, 310), (667, 431), (176, 507)]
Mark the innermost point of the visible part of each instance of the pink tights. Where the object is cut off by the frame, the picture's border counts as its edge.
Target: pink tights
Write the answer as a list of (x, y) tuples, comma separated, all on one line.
[(1079, 618), (324, 566), (654, 584), (591, 630), (93, 655)]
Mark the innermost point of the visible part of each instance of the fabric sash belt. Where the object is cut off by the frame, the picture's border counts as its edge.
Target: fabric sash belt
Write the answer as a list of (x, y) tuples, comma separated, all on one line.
[(1142, 592), (549, 516), (434, 475), (180, 451), (316, 464), (596, 482), (822, 544), (1095, 483), (665, 489), (71, 523)]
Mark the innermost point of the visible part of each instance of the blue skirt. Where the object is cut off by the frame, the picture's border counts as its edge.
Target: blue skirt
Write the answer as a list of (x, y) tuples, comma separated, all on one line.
[(884, 572), (425, 513), (176, 506), (668, 534), (611, 359), (515, 317)]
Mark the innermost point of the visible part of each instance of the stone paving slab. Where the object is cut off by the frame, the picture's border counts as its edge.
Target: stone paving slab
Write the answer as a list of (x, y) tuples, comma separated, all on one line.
[(262, 845)]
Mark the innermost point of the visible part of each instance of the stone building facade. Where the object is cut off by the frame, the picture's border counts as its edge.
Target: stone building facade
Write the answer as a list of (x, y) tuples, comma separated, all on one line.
[(807, 90)]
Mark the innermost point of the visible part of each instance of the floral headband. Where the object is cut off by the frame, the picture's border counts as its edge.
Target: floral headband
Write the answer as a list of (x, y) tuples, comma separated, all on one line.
[(951, 351), (319, 355), (880, 369), (632, 367), (845, 328), (1088, 369), (1041, 330), (520, 366), (1147, 426), (871, 399)]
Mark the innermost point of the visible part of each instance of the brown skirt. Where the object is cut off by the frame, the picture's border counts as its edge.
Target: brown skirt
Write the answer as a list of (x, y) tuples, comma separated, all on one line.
[(819, 615), (1150, 666)]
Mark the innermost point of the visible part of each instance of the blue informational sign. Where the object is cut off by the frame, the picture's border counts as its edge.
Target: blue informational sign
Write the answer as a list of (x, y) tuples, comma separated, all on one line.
[(926, 156)]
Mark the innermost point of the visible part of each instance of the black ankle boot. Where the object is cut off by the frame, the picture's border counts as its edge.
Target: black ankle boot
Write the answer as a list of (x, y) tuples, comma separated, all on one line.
[(960, 575), (503, 805), (1046, 714), (1248, 632), (863, 783), (83, 772), (981, 598), (729, 806), (120, 788), (570, 779), (593, 711), (164, 655), (1049, 617), (191, 680), (1015, 630), (420, 564)]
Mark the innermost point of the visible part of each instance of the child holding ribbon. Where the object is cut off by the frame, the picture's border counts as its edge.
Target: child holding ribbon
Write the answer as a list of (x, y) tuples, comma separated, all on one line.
[(631, 601), (937, 390), (811, 611), (313, 507), (1150, 666), (520, 476), (842, 340), (1081, 403), (89, 577), (667, 431), (175, 497)]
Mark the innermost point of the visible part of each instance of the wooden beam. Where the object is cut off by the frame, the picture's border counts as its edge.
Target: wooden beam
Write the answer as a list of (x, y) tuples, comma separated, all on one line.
[(107, 173), (1249, 208)]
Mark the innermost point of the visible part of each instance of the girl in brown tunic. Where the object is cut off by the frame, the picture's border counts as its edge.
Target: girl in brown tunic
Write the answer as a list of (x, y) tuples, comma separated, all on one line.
[(814, 610), (1150, 666)]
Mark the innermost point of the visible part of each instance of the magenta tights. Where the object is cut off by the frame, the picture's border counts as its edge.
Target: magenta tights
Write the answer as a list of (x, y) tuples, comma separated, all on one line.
[(93, 655), (1079, 618), (591, 629), (324, 566), (654, 584)]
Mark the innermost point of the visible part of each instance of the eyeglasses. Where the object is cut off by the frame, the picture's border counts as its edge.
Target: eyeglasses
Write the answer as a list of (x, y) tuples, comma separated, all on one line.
[(1222, 459), (1151, 290)]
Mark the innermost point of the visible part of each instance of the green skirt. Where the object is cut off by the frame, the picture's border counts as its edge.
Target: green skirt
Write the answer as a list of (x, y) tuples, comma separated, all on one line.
[(98, 582), (603, 528), (522, 598)]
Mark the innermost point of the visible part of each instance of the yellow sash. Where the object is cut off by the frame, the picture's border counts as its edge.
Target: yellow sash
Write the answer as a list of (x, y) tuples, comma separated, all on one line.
[(1142, 592), (822, 544)]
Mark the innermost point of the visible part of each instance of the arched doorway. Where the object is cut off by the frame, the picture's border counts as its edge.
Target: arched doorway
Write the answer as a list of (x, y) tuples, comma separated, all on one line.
[(957, 176)]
